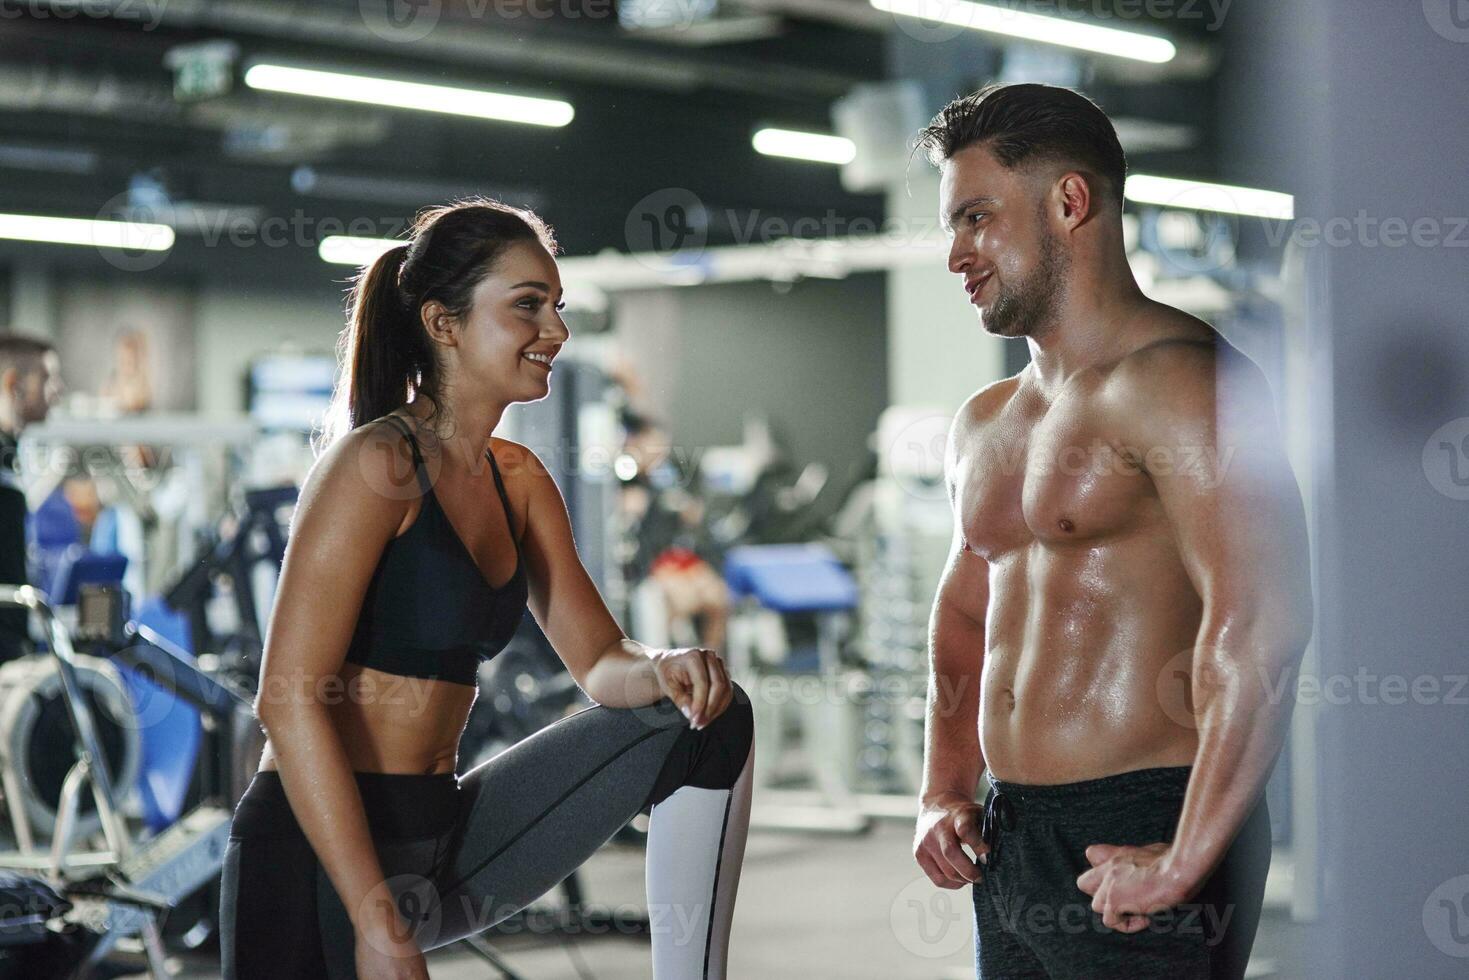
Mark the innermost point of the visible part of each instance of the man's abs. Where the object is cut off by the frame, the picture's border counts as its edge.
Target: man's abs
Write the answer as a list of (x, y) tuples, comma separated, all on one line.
[(1087, 660)]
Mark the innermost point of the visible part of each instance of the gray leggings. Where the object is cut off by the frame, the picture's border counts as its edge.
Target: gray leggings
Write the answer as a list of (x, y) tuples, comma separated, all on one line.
[(460, 853)]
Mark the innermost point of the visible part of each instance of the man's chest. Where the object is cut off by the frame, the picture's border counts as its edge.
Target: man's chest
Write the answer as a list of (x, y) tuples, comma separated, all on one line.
[(1049, 473)]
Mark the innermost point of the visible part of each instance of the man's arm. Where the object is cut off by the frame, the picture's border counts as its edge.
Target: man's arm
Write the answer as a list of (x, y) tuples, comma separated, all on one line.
[(952, 760), (1205, 423)]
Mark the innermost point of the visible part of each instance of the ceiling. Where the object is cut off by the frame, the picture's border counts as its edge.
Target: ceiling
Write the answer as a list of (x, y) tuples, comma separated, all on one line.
[(88, 110)]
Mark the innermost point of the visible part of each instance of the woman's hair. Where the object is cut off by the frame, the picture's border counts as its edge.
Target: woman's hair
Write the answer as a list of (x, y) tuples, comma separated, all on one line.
[(384, 354)]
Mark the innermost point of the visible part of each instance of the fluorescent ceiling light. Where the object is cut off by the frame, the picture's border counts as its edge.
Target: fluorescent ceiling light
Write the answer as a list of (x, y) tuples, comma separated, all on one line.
[(1193, 195), (805, 146), (409, 95), (1035, 27), (347, 250), (135, 235)]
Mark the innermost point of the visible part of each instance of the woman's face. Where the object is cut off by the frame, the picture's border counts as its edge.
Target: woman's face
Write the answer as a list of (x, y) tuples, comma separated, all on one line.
[(513, 327)]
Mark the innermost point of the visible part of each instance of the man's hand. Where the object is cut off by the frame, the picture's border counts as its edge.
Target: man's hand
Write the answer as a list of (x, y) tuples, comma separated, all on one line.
[(943, 825), (1127, 884)]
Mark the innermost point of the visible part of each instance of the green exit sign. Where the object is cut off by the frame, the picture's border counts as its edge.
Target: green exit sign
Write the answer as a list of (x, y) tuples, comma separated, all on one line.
[(202, 70)]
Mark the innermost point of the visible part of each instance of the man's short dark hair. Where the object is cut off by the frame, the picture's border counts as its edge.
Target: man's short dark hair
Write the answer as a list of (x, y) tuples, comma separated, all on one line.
[(1022, 124), (22, 351)]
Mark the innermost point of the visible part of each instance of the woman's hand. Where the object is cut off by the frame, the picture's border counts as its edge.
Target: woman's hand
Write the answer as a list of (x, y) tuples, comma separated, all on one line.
[(696, 680)]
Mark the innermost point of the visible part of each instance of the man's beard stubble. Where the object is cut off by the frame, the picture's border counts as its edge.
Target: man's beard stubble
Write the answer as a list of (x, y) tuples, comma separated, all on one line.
[(1022, 309)]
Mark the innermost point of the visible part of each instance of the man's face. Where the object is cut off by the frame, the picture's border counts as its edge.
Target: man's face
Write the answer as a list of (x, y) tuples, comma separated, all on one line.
[(37, 388), (1012, 261)]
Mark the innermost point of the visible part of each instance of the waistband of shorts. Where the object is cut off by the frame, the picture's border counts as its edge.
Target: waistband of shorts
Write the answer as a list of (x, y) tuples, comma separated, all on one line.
[(399, 806), (1139, 788)]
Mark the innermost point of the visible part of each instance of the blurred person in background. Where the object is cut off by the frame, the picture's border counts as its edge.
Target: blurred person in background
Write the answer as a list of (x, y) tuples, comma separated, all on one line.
[(664, 517), (30, 385)]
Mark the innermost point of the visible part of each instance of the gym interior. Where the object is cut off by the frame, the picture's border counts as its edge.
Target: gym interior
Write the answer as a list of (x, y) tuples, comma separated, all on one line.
[(748, 423)]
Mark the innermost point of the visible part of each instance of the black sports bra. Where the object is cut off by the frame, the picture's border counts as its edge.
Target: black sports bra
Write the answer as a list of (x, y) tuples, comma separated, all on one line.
[(428, 611)]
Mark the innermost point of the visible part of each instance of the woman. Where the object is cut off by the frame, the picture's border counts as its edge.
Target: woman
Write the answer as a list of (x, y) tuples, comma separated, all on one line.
[(356, 847)]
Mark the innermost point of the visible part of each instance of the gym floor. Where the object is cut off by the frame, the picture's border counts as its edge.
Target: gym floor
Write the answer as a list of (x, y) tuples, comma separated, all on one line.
[(811, 907)]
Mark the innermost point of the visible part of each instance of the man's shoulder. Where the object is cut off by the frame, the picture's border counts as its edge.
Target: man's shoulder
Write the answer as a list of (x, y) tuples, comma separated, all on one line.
[(1183, 374), (986, 403)]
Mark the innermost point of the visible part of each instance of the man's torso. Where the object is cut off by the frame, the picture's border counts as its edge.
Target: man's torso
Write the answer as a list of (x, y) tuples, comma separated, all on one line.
[(1092, 615)]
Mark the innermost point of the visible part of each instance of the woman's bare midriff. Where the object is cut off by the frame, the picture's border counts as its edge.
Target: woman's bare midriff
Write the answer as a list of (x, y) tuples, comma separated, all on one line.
[(390, 723)]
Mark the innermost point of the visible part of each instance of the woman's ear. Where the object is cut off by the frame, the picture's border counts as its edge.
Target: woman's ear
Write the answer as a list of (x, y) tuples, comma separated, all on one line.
[(439, 322)]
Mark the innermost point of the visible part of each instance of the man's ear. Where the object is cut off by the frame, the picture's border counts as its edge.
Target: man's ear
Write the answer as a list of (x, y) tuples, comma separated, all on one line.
[(9, 381), (439, 322), (1075, 198)]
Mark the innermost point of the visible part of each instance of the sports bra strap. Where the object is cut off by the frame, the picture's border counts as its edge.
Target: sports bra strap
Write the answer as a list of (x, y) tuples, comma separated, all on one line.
[(419, 468), (504, 499)]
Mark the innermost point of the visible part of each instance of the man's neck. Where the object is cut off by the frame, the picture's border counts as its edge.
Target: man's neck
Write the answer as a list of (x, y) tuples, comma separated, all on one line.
[(1090, 326)]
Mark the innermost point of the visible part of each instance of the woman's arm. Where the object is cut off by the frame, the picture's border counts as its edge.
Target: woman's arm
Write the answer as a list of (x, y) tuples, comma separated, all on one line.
[(350, 507), (614, 670)]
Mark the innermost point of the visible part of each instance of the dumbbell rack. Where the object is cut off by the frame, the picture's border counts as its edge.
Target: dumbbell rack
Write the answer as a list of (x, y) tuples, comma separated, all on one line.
[(899, 557)]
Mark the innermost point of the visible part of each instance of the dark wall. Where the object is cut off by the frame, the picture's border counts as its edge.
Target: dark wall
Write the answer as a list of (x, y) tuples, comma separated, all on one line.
[(812, 359)]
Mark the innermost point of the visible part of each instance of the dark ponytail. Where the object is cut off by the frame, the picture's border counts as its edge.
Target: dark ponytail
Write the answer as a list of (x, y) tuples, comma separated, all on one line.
[(384, 355)]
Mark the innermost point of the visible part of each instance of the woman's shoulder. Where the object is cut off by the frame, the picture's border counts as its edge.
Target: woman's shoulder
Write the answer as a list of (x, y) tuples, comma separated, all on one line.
[(369, 471)]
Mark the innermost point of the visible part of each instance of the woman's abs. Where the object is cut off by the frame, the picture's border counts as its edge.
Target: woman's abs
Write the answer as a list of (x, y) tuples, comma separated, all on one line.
[(391, 723)]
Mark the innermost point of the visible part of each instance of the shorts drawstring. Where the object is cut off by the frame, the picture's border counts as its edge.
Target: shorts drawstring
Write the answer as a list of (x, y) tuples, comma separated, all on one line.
[(999, 814)]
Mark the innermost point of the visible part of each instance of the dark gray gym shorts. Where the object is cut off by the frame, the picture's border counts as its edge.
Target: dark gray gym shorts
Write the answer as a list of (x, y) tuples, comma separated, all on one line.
[(1032, 922)]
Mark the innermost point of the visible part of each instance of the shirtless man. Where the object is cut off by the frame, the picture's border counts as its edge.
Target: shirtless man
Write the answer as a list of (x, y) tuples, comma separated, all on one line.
[(1127, 592)]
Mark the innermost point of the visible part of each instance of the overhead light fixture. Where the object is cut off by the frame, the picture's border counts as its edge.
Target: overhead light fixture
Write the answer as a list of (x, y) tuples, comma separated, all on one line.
[(409, 95), (350, 250), (135, 235), (1036, 27), (1194, 195), (817, 147)]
